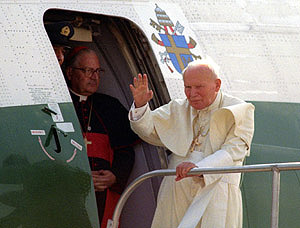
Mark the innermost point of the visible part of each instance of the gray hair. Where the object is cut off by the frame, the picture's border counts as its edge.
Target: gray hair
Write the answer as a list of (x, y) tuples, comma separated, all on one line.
[(73, 57), (207, 61)]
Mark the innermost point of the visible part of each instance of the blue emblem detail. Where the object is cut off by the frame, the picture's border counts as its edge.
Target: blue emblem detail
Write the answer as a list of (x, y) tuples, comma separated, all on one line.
[(174, 52), (180, 41), (165, 40), (174, 61)]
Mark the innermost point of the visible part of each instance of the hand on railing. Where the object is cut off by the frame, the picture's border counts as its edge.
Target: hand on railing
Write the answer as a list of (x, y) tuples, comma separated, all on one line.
[(182, 170)]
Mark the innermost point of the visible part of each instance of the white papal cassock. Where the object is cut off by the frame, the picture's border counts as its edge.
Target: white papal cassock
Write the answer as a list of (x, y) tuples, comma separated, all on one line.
[(225, 130)]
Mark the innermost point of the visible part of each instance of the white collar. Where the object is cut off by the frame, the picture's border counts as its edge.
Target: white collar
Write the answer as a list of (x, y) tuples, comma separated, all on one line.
[(81, 97)]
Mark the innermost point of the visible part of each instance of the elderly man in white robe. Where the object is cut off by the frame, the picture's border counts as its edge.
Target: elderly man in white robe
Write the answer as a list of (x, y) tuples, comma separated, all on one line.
[(207, 129)]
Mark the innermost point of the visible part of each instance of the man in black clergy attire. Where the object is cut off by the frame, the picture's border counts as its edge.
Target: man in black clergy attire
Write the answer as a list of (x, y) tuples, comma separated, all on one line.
[(105, 128)]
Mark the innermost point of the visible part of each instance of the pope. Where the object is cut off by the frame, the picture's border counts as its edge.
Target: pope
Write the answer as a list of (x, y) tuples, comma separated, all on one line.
[(208, 128)]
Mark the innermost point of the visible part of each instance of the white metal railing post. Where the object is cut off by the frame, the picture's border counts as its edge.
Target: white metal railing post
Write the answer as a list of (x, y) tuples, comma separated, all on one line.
[(275, 197)]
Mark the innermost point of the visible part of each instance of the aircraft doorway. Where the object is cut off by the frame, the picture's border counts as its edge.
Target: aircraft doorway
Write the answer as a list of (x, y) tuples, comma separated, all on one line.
[(124, 52)]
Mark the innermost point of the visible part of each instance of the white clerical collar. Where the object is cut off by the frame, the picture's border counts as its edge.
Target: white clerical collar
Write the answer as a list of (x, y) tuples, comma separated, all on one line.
[(81, 97)]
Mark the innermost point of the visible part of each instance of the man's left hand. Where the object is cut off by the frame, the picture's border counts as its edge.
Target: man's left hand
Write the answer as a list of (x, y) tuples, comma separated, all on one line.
[(103, 179), (182, 169)]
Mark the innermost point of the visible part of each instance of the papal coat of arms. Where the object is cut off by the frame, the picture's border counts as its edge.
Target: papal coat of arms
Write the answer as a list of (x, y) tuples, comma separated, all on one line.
[(172, 38)]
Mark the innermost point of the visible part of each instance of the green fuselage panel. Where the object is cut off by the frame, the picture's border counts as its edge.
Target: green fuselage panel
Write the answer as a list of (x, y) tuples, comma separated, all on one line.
[(276, 139), (45, 177)]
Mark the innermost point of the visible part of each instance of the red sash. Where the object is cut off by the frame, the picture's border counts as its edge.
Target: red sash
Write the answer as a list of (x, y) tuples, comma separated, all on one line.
[(100, 148)]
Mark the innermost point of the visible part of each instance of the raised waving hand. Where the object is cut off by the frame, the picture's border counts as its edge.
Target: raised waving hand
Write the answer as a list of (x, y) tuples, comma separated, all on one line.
[(140, 90)]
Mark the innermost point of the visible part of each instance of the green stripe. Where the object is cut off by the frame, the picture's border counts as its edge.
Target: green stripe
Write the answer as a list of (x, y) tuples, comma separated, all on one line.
[(276, 139)]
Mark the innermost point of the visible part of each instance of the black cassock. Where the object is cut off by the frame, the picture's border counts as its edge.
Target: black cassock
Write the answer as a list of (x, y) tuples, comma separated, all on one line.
[(109, 139)]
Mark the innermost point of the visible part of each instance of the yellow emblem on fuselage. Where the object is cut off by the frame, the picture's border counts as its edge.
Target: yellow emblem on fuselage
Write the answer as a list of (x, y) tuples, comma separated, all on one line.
[(65, 31)]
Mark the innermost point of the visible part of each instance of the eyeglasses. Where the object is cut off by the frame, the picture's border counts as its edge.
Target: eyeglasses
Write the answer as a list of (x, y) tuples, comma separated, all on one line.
[(88, 72)]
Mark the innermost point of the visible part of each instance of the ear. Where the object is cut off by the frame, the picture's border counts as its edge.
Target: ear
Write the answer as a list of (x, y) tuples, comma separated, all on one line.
[(218, 84), (69, 73)]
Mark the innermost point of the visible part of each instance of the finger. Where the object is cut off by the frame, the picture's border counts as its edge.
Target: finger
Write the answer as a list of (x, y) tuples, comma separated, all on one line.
[(177, 171), (100, 188), (185, 169), (99, 184), (184, 172), (139, 80), (96, 180), (145, 80), (188, 170), (100, 178), (132, 89), (150, 94), (97, 172), (105, 182), (180, 173), (180, 168), (178, 178), (135, 82)]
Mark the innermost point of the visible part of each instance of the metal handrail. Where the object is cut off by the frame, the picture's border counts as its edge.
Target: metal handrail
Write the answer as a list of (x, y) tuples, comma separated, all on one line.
[(274, 167)]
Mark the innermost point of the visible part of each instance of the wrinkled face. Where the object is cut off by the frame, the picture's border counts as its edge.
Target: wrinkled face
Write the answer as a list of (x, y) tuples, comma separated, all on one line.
[(200, 86), (60, 53), (80, 81)]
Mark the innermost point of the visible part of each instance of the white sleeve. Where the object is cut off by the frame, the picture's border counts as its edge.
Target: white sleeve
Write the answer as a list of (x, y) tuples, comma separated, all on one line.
[(141, 123), (137, 113)]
